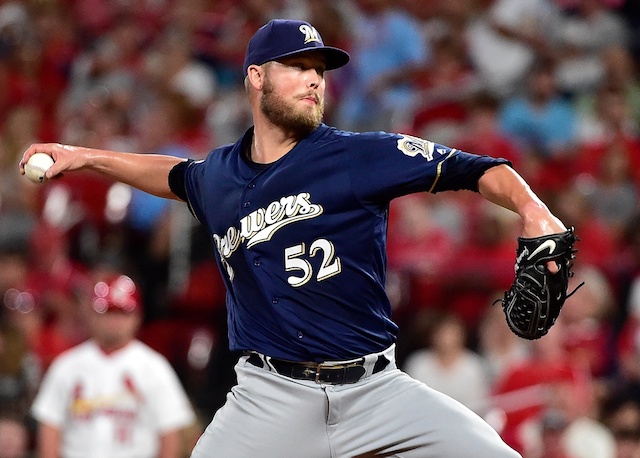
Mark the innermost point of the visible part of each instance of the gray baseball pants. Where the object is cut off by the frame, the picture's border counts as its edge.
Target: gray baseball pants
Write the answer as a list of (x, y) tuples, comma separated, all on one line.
[(387, 414)]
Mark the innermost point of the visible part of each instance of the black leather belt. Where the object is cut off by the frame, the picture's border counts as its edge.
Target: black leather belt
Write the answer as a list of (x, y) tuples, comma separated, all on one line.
[(337, 374)]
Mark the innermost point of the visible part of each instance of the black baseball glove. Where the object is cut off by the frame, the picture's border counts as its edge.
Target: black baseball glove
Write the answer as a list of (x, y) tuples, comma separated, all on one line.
[(535, 298)]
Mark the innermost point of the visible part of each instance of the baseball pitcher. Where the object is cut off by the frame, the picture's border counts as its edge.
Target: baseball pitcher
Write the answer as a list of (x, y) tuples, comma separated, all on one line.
[(297, 212)]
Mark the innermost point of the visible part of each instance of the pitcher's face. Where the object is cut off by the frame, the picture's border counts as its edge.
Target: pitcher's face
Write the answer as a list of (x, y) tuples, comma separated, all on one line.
[(293, 92)]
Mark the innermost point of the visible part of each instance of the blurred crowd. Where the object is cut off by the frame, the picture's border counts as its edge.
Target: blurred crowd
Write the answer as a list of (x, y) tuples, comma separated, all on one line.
[(551, 85)]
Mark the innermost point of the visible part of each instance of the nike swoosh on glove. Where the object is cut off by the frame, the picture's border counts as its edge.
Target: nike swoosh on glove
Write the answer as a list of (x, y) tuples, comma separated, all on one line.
[(533, 302)]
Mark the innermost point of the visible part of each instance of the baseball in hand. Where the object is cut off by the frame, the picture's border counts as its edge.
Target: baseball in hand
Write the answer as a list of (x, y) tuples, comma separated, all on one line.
[(36, 166)]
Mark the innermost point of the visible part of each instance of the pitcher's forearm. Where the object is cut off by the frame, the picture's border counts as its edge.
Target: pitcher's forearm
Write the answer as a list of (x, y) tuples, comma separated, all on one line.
[(503, 186), (147, 172)]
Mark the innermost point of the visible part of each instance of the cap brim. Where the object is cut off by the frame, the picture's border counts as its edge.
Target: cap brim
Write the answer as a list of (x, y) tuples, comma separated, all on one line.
[(334, 57)]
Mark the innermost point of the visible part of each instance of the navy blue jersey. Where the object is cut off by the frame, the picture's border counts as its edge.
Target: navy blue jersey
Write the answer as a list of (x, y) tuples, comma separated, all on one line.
[(301, 242)]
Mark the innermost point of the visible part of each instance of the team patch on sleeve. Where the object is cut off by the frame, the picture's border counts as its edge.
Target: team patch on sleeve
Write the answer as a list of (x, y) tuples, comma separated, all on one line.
[(413, 146)]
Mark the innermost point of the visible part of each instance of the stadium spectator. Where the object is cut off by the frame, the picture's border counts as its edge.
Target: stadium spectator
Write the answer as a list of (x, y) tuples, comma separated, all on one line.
[(385, 40), (499, 347), (621, 414), (542, 124), (621, 75), (14, 437), (585, 33), (587, 317), (598, 245), (419, 248), (483, 134), (483, 263), (519, 32), (548, 378), (447, 365)]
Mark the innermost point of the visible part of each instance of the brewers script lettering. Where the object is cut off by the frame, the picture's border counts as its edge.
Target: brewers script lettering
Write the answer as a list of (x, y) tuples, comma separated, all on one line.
[(260, 225)]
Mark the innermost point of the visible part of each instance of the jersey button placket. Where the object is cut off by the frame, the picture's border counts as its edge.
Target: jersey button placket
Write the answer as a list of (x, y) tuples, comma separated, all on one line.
[(246, 195)]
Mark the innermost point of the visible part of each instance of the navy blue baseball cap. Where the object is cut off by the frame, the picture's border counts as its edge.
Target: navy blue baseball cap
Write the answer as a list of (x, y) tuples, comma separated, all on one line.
[(284, 37)]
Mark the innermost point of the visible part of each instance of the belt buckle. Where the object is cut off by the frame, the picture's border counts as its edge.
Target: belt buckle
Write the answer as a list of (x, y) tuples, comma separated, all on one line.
[(311, 370), (337, 367), (321, 366)]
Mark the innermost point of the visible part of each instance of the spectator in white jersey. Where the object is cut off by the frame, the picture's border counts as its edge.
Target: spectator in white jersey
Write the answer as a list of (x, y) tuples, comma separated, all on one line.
[(111, 396)]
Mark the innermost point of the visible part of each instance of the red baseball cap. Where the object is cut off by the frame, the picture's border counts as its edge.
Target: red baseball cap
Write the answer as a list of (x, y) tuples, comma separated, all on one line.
[(116, 294)]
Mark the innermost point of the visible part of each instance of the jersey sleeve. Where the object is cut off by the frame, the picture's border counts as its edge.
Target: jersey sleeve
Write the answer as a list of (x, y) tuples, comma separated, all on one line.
[(384, 166), (176, 179), (192, 181), (171, 405), (50, 403)]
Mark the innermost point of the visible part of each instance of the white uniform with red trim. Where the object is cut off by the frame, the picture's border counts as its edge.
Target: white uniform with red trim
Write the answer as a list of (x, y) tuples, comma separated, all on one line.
[(112, 405)]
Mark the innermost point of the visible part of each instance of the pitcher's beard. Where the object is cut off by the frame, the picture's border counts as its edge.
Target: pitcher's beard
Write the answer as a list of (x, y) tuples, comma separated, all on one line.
[(298, 123)]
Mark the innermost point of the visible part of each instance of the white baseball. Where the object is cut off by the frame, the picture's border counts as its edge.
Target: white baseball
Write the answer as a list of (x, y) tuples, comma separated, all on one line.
[(36, 167)]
